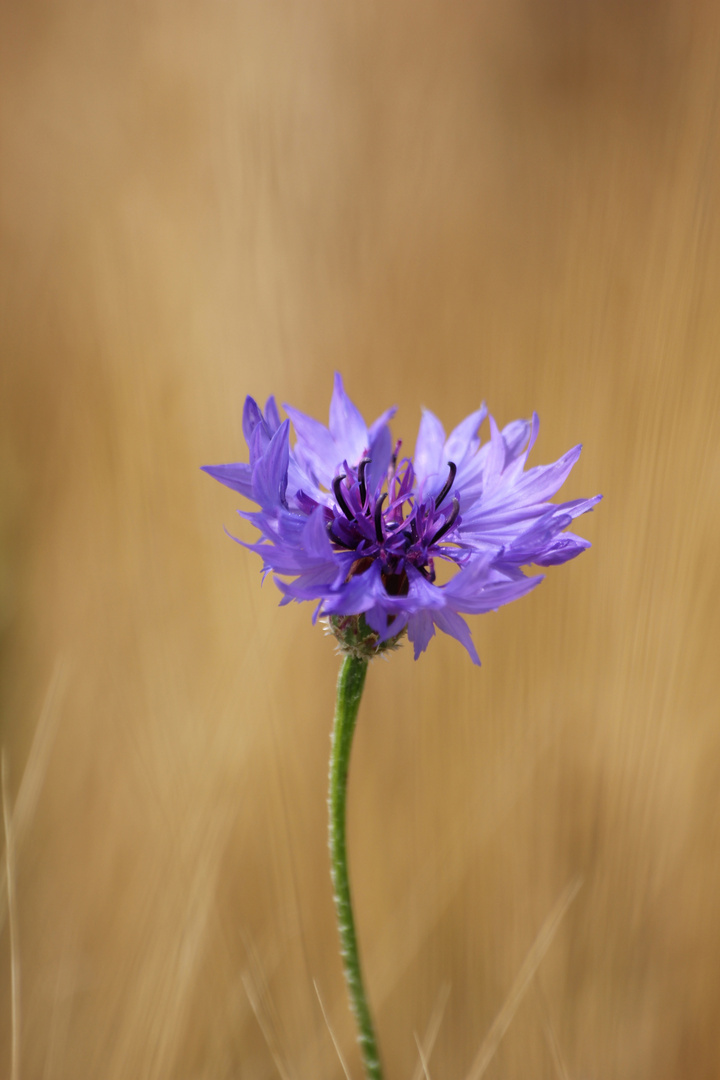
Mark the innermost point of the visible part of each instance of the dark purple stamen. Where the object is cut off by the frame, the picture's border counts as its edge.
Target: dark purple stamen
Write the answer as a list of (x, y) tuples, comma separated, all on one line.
[(339, 497), (378, 517), (335, 537), (448, 484), (361, 480), (448, 524)]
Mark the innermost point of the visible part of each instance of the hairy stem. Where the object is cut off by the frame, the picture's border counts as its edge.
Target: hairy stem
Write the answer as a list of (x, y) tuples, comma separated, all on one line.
[(349, 691)]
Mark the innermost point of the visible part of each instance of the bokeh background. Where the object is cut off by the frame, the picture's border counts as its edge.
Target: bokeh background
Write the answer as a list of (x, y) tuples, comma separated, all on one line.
[(448, 202)]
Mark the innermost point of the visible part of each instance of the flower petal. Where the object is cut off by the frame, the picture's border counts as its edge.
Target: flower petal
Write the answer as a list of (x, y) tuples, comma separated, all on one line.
[(315, 449), (380, 455), (315, 539), (497, 453), (543, 481), (560, 550), (347, 426), (463, 594), (237, 476), (272, 416), (382, 421), (270, 471), (451, 623), (420, 629), (357, 595), (463, 439), (252, 416), (515, 436), (428, 460)]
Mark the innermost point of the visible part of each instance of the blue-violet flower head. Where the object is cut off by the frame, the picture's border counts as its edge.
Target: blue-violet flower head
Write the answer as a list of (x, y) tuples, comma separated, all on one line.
[(348, 522)]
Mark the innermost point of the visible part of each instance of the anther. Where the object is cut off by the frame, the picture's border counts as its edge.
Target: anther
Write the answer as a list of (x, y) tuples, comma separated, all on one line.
[(361, 479), (347, 545), (340, 498), (448, 524), (448, 484), (378, 517)]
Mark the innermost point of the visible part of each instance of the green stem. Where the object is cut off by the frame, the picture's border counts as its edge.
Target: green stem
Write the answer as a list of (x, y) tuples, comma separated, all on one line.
[(349, 691)]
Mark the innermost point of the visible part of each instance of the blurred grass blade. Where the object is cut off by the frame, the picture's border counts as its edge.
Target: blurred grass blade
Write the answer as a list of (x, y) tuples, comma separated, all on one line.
[(524, 977)]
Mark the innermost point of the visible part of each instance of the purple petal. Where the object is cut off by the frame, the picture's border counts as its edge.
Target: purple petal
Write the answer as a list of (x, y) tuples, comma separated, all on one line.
[(315, 446), (543, 481), (385, 624), (381, 422), (270, 471), (541, 544), (534, 432), (496, 455), (259, 442), (252, 416), (452, 624), (420, 629), (428, 460), (272, 416), (380, 455), (347, 426), (422, 593), (579, 506), (376, 618), (358, 594), (489, 597), (237, 476), (394, 625), (316, 541), (515, 435), (313, 584), (463, 438), (561, 550)]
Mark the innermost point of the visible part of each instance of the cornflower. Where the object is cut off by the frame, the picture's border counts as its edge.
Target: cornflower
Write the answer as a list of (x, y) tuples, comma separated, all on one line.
[(349, 523), (359, 529)]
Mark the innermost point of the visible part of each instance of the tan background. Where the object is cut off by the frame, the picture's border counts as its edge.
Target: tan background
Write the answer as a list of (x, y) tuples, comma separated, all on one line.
[(449, 202)]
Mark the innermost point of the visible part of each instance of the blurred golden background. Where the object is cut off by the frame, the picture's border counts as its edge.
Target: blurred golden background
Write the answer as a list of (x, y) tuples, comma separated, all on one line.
[(448, 202)]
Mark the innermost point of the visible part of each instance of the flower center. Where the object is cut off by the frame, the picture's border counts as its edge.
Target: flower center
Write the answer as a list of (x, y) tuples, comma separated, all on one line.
[(389, 524)]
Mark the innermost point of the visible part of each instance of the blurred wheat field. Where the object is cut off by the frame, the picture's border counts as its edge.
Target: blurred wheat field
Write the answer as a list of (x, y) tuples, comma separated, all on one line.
[(449, 202)]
